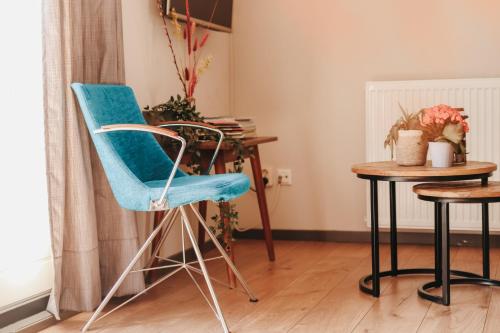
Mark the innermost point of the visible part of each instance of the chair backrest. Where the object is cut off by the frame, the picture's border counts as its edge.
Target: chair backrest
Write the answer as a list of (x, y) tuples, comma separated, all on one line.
[(129, 158)]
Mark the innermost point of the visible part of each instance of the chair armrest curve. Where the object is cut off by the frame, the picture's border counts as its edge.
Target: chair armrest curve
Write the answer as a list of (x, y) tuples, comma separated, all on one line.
[(195, 124), (136, 127)]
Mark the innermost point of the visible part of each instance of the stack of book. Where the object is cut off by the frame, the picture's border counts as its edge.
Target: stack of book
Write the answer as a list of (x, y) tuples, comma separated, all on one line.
[(235, 128), (248, 126)]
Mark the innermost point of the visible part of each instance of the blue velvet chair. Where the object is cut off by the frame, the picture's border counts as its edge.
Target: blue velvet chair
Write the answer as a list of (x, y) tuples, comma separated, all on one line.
[(144, 178)]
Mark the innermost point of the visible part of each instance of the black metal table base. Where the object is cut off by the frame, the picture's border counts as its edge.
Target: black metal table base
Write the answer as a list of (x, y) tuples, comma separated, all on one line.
[(423, 291), (441, 271), (365, 280), (444, 279)]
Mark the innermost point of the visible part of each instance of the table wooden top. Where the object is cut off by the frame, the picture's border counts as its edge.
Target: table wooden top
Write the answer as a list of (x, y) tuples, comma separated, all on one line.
[(249, 142), (459, 190), (391, 169)]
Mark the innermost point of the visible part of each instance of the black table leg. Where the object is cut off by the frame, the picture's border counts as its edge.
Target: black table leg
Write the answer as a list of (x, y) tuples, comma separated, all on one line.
[(437, 243), (374, 238), (445, 252), (484, 181), (370, 284), (486, 241), (486, 234), (394, 229)]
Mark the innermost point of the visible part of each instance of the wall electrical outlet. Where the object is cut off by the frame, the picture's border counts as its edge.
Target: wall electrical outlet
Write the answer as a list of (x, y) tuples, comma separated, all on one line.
[(267, 176), (284, 176)]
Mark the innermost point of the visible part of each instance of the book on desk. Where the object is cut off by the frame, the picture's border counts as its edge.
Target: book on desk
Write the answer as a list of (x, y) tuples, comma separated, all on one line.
[(235, 128)]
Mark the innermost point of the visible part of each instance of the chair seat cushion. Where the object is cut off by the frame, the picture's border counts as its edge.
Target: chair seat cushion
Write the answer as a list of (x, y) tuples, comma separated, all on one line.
[(190, 189)]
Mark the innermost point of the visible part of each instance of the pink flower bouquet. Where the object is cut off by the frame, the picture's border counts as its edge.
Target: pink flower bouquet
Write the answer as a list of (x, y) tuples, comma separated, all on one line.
[(442, 123)]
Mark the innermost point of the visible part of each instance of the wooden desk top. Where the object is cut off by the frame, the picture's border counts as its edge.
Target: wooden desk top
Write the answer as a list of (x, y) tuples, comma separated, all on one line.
[(391, 169), (211, 145), (459, 190)]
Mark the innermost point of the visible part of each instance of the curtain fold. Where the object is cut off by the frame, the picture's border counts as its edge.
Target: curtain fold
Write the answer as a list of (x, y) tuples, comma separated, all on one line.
[(93, 239)]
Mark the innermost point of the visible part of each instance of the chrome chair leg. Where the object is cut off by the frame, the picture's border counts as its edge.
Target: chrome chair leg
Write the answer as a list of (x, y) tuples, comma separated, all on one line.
[(127, 270), (156, 250), (224, 255), (201, 262)]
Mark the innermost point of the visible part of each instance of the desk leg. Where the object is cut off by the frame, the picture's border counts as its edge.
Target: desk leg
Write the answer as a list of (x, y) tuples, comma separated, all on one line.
[(220, 167), (202, 206), (261, 197), (374, 238)]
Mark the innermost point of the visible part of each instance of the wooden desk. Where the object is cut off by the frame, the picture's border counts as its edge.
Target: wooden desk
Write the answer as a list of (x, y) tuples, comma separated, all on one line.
[(226, 155)]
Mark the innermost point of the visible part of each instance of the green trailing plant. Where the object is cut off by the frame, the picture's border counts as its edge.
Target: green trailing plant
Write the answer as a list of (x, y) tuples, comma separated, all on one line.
[(180, 109), (177, 109), (219, 228), (189, 69)]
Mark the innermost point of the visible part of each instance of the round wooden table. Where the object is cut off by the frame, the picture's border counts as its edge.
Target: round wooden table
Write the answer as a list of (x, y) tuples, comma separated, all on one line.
[(457, 193), (391, 172)]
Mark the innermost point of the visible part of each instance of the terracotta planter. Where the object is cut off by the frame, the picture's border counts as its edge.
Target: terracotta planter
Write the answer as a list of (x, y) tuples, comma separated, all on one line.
[(411, 149)]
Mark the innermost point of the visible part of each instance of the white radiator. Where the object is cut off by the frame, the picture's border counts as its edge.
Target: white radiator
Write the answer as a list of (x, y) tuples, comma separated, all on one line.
[(481, 100)]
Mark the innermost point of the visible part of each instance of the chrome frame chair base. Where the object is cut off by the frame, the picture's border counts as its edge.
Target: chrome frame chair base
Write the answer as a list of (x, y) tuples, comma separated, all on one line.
[(176, 266)]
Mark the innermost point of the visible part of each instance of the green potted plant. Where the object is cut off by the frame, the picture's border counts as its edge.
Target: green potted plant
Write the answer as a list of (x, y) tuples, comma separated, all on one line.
[(189, 68), (408, 137)]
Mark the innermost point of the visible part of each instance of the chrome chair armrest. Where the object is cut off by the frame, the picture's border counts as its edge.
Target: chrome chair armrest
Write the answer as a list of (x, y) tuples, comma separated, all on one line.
[(200, 125), (155, 130)]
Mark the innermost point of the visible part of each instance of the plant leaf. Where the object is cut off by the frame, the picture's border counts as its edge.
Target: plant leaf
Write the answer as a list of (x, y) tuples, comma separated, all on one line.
[(453, 133)]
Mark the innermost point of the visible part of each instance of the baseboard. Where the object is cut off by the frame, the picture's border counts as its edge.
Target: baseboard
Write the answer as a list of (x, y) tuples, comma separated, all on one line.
[(418, 238), (25, 309)]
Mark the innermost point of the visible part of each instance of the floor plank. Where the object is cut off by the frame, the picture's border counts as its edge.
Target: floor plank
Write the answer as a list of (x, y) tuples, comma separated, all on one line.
[(291, 304), (492, 324), (312, 287), (400, 309), (469, 304), (344, 306)]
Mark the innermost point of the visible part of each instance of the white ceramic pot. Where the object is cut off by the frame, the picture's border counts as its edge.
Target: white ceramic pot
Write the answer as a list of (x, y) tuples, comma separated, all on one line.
[(411, 149), (441, 154)]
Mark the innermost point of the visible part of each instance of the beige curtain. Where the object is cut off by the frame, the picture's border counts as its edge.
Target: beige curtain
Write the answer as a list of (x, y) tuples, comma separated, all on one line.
[(93, 239)]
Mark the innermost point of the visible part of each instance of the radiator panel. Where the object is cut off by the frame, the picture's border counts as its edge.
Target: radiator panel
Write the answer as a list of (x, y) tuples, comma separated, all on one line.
[(481, 100)]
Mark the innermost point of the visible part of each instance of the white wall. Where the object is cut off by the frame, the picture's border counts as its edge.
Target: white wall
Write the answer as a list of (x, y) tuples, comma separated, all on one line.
[(300, 66)]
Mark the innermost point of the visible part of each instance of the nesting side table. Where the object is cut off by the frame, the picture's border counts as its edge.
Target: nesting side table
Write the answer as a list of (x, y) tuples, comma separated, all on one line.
[(457, 193), (392, 173)]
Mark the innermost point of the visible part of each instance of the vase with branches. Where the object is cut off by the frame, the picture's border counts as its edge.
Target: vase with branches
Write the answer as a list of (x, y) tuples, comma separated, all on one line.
[(187, 46), (408, 137)]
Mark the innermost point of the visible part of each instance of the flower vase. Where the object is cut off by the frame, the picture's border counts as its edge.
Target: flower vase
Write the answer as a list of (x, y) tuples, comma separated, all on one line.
[(411, 149), (441, 154)]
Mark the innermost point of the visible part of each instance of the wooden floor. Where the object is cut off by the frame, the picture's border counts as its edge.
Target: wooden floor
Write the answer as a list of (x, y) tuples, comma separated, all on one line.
[(312, 287)]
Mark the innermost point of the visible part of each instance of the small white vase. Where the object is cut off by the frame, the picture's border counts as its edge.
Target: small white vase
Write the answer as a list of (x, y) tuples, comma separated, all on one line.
[(441, 154)]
